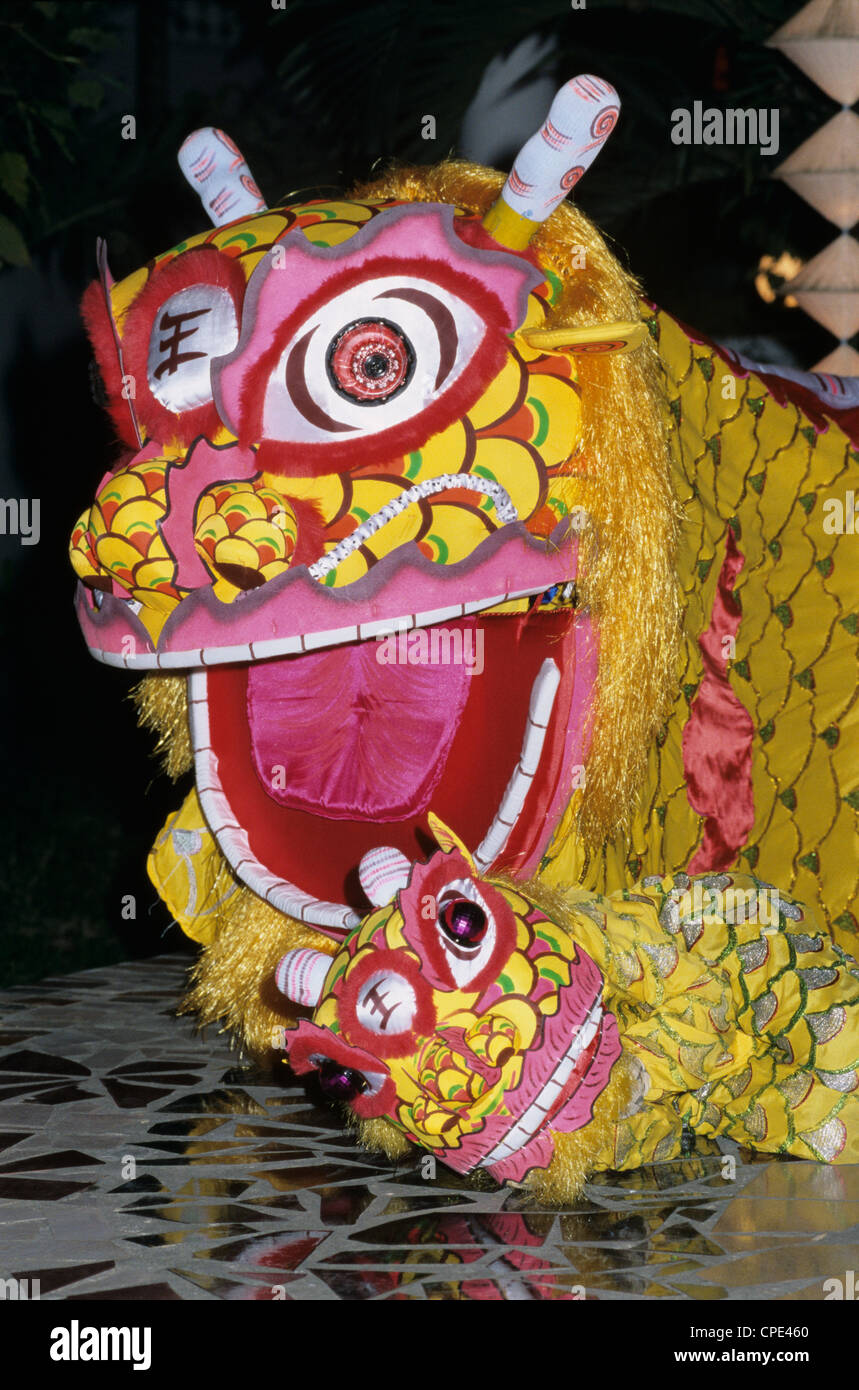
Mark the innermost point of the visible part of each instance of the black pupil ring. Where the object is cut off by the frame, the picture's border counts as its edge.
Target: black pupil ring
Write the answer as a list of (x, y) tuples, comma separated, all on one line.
[(376, 365), (381, 374)]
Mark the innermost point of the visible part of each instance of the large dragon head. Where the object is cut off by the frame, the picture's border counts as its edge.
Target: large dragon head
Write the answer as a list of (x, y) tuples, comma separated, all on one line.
[(375, 445)]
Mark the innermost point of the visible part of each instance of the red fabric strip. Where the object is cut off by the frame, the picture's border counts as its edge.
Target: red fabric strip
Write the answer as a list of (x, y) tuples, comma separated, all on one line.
[(717, 740)]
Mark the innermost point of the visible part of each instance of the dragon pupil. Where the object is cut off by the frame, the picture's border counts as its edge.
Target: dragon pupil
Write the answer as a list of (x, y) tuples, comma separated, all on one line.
[(463, 921), (376, 365), (339, 1082)]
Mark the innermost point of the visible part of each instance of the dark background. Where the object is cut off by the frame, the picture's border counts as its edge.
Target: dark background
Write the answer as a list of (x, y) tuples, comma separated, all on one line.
[(314, 94)]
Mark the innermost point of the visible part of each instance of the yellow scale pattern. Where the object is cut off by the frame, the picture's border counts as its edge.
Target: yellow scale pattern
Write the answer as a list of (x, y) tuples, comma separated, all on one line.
[(740, 1013), (744, 460)]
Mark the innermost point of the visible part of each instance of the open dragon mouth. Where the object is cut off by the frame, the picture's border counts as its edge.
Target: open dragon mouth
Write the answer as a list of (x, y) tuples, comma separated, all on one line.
[(304, 763)]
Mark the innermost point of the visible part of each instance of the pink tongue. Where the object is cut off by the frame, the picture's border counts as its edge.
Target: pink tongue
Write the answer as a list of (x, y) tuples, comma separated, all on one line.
[(340, 734)]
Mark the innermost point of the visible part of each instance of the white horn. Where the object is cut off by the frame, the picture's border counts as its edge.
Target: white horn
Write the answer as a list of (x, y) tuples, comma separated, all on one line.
[(383, 873), (550, 164), (217, 170), (300, 975)]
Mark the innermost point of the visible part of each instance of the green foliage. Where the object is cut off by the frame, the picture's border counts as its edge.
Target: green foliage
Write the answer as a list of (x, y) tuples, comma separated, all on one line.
[(85, 92), (13, 249), (14, 173), (47, 74)]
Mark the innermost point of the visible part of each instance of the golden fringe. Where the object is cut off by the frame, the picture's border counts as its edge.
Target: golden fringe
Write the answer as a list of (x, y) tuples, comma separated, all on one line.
[(233, 979), (380, 1136), (627, 564), (162, 707)]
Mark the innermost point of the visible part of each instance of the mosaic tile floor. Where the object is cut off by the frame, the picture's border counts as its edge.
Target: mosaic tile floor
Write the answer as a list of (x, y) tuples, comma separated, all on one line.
[(139, 1160)]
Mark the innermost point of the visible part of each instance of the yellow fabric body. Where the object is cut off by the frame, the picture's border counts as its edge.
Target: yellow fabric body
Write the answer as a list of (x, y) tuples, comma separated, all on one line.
[(749, 1031), (742, 459), (190, 873)]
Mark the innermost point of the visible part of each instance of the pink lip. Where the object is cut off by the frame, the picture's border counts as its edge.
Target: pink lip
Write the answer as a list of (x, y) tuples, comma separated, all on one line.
[(276, 618), (575, 1102)]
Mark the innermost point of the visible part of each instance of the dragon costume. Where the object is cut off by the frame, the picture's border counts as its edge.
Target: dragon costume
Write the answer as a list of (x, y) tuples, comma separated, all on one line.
[(544, 1043), (424, 510)]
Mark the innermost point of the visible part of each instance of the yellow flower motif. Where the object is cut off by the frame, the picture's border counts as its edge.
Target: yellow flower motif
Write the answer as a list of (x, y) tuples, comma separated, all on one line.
[(245, 533)]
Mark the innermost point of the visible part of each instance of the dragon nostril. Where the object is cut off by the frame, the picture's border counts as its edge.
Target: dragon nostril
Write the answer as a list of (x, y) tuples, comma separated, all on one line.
[(98, 582), (241, 576)]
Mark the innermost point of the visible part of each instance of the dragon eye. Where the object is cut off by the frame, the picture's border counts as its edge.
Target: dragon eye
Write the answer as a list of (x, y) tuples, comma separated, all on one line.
[(463, 921), (370, 361), (341, 1083)]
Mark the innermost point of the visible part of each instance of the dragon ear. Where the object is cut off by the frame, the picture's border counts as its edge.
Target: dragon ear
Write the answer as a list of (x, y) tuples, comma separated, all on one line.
[(600, 337), (447, 840)]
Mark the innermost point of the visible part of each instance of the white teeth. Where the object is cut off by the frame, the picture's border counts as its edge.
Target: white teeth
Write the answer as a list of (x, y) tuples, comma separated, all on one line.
[(311, 641), (315, 640), (430, 487), (383, 627), (259, 651), (233, 840), (225, 654), (543, 693), (479, 604), (526, 1127)]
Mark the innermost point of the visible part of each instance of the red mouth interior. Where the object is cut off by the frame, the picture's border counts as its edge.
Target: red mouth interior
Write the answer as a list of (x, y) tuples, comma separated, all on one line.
[(449, 741)]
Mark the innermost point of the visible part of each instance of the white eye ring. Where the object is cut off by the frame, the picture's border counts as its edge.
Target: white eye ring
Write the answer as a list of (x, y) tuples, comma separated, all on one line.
[(466, 961), (440, 333)]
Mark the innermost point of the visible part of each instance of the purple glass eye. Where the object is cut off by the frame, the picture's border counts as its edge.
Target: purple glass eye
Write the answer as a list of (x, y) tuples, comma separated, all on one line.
[(463, 921), (339, 1082)]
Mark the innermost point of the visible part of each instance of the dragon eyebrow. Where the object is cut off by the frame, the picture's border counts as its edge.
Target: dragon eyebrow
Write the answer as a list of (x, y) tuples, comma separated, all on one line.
[(443, 322), (504, 507)]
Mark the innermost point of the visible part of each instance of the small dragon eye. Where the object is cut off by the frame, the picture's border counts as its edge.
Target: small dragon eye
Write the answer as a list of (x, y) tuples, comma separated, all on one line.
[(341, 1083), (463, 921), (370, 361)]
